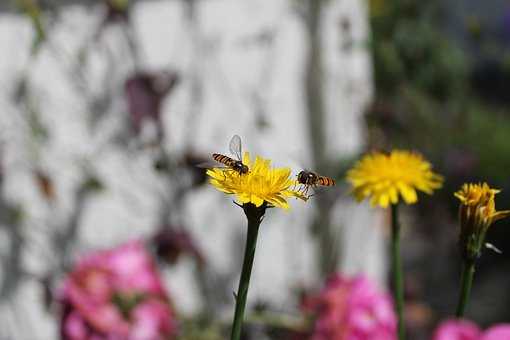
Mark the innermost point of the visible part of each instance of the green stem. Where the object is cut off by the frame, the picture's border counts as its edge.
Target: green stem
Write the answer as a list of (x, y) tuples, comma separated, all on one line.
[(254, 216), (398, 279), (466, 280)]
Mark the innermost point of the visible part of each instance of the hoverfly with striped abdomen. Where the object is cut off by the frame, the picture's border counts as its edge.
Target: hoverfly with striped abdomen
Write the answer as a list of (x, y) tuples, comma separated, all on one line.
[(230, 163), (310, 179)]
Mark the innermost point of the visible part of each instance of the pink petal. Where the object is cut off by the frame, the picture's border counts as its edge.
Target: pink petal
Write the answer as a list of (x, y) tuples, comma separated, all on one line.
[(497, 332), (75, 327), (457, 330), (152, 320)]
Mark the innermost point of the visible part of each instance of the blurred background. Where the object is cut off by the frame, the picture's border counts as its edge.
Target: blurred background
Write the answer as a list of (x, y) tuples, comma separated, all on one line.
[(108, 105)]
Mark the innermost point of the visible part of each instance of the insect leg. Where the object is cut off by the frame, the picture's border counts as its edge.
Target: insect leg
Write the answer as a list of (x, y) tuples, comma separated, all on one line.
[(225, 172), (305, 189)]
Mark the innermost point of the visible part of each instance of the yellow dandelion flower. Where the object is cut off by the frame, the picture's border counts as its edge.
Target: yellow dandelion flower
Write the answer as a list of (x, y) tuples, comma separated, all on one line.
[(383, 177), (477, 209), (261, 184)]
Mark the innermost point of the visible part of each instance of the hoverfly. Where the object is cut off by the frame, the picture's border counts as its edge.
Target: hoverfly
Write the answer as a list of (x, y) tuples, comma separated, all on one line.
[(310, 179), (231, 163)]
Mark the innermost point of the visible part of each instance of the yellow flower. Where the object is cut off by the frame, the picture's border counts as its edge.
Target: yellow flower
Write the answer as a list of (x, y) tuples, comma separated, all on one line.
[(477, 212), (261, 184), (477, 205), (382, 177)]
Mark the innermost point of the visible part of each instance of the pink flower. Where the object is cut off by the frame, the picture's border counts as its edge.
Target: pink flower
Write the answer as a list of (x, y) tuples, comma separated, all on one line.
[(352, 309), (116, 294), (497, 332), (455, 329)]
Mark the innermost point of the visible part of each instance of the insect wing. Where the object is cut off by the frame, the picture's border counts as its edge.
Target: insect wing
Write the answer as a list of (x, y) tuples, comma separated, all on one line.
[(236, 147), (211, 165)]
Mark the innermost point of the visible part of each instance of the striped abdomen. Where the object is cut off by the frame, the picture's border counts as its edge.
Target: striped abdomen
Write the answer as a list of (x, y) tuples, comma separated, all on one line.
[(224, 159), (325, 181)]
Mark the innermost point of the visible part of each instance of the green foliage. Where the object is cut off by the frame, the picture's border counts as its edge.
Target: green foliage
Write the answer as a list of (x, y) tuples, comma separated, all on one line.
[(410, 49), (424, 96), (486, 132)]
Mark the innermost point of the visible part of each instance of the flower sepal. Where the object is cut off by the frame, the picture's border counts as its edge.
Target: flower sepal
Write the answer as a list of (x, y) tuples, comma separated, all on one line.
[(254, 213)]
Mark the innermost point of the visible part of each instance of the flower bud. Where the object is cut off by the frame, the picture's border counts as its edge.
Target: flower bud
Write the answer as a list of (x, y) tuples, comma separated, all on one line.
[(477, 211)]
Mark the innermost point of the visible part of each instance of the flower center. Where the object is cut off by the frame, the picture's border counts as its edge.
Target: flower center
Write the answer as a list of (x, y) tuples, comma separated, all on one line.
[(126, 302)]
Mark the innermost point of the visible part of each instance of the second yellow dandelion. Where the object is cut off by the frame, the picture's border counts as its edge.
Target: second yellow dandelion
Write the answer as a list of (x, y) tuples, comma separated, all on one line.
[(384, 178)]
